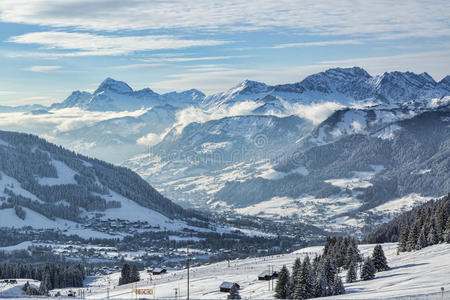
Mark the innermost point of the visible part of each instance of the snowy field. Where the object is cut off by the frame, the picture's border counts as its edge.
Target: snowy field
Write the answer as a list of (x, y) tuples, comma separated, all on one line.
[(415, 275)]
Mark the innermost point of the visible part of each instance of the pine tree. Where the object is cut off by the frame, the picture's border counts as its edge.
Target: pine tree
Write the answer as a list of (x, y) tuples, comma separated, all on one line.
[(234, 293), (330, 271), (422, 240), (413, 235), (368, 270), (45, 285), (305, 285), (338, 286), (282, 287), (440, 222), (379, 259), (447, 231), (403, 239), (134, 276), (320, 284), (351, 273), (432, 238), (352, 254), (125, 276), (296, 269)]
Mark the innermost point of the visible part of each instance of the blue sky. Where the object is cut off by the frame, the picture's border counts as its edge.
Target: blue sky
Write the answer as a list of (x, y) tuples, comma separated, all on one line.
[(52, 47)]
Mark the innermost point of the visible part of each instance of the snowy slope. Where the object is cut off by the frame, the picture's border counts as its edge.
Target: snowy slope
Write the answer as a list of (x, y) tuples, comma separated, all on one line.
[(47, 187), (413, 274)]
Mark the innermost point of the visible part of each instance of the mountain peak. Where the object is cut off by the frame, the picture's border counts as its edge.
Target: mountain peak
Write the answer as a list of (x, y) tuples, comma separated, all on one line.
[(249, 86), (423, 80), (110, 84), (353, 72)]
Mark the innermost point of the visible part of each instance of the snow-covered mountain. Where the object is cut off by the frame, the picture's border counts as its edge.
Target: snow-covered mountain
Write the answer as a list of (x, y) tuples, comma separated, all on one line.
[(204, 156), (239, 135), (113, 95), (45, 186), (245, 149), (351, 178), (346, 86)]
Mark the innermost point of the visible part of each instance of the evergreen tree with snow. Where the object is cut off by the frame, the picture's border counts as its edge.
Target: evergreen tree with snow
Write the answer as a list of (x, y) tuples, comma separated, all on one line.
[(125, 276), (432, 238), (422, 240), (413, 236), (351, 273), (305, 285), (282, 287), (296, 269), (338, 286), (403, 239), (330, 273), (440, 219), (379, 259), (46, 284), (368, 270), (447, 231), (320, 283), (134, 276)]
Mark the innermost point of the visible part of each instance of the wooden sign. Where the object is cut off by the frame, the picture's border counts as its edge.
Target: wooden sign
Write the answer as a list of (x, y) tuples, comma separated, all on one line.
[(143, 291)]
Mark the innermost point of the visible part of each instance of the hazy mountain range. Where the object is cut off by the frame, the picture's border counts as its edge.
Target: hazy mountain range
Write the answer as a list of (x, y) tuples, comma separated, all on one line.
[(341, 148)]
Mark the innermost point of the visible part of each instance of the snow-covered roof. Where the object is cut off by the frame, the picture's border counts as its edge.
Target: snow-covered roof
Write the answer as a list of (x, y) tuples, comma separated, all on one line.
[(228, 285)]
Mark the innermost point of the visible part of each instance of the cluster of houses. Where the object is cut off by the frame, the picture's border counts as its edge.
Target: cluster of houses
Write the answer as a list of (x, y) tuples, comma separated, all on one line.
[(113, 225), (226, 286)]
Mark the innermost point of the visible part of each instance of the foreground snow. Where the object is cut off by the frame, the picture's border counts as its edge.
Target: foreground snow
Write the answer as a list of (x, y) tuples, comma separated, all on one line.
[(415, 275), (411, 275)]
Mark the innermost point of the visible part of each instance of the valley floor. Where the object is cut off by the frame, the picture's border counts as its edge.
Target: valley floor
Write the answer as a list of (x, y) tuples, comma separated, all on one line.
[(414, 275)]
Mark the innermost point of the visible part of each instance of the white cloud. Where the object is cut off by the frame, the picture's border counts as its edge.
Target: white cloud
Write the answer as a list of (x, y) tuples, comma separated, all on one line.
[(136, 66), (341, 17), (89, 44), (190, 59), (320, 44), (193, 114), (58, 121), (43, 69), (149, 139), (316, 112)]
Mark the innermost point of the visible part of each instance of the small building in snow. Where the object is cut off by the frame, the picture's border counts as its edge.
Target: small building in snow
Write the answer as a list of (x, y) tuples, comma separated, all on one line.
[(159, 271), (227, 286), (266, 275)]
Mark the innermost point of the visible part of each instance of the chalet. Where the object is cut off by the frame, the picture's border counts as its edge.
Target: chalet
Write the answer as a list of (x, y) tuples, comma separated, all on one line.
[(227, 286), (159, 271), (266, 275)]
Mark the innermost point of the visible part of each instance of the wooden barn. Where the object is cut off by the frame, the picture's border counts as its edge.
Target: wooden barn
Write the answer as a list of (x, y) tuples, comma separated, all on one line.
[(159, 271), (266, 275), (227, 286)]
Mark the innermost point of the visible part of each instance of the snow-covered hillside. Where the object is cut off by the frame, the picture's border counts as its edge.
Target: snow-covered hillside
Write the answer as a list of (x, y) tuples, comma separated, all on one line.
[(412, 275), (47, 187)]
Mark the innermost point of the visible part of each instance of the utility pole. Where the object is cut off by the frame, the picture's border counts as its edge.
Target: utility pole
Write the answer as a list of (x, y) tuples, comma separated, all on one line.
[(187, 263), (269, 280), (271, 277)]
